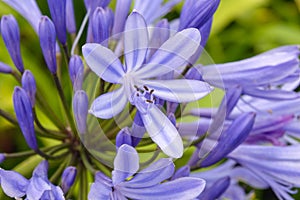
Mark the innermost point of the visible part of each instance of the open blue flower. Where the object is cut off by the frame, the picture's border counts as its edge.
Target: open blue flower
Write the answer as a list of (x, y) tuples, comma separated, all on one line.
[(136, 76), (146, 184)]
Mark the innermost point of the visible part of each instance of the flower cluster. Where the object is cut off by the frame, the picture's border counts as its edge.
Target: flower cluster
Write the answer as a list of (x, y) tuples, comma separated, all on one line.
[(127, 96)]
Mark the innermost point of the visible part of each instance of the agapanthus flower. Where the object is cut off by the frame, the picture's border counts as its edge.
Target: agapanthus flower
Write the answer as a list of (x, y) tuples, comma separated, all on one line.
[(145, 184), (133, 78)]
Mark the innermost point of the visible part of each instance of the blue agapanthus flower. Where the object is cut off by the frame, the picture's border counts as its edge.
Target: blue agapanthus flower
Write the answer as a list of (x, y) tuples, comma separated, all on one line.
[(86, 120), (145, 184)]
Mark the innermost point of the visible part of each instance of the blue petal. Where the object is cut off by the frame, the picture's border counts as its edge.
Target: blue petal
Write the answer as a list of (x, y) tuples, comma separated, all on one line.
[(13, 184), (101, 188), (121, 13), (152, 175), (180, 90), (271, 94), (182, 188), (259, 70), (174, 53), (135, 41), (216, 190), (36, 188), (109, 104), (103, 62), (126, 163), (236, 133), (163, 132)]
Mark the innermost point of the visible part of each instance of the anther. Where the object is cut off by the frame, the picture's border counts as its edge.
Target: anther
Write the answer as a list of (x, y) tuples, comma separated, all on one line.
[(149, 101), (146, 88), (151, 91)]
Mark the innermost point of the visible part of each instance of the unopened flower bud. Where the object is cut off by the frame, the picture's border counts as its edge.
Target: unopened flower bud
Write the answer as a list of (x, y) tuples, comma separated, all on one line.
[(123, 137), (24, 115), (58, 14), (76, 71), (11, 36), (70, 17), (47, 42), (80, 109), (29, 85), (68, 178)]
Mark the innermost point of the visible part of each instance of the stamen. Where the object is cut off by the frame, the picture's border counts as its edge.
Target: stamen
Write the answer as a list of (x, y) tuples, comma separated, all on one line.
[(146, 88), (149, 101), (151, 91)]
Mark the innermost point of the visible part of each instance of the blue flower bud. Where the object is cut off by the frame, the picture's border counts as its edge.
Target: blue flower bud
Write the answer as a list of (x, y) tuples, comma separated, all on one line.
[(123, 137), (137, 129), (80, 109), (47, 42), (4, 68), (122, 10), (68, 178), (58, 14), (196, 13), (102, 25), (11, 36), (70, 17), (76, 72), (29, 85), (24, 115)]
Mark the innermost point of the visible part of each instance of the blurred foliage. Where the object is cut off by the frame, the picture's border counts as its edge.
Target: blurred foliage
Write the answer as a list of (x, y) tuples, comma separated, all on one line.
[(240, 29)]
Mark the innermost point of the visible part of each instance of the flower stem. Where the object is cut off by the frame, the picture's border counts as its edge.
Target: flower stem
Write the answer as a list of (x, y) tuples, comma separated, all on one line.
[(8, 117), (64, 102)]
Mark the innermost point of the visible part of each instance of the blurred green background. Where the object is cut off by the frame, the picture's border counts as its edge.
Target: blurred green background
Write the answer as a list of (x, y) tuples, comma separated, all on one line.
[(241, 29)]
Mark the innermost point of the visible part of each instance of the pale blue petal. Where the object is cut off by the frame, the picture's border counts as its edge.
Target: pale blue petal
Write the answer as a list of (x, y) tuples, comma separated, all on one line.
[(259, 70), (179, 189), (152, 175), (174, 53), (179, 90), (216, 190), (101, 188), (36, 188), (126, 163), (163, 132), (135, 41), (276, 94), (103, 62), (262, 158), (13, 183), (109, 104)]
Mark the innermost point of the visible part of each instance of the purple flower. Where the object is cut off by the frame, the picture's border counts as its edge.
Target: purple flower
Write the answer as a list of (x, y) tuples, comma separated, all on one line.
[(278, 167), (196, 13), (70, 17), (103, 19), (258, 76), (23, 110), (121, 13), (80, 109), (11, 36), (38, 187), (76, 72), (47, 36), (68, 178), (58, 14), (145, 184), (29, 85), (133, 78)]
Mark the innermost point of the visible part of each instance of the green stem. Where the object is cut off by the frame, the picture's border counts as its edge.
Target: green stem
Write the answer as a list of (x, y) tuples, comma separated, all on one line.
[(86, 163), (53, 134), (55, 176), (155, 155), (8, 117), (64, 102)]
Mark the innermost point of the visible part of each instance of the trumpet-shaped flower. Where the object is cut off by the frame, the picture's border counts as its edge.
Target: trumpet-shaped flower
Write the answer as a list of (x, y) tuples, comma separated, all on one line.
[(145, 184), (134, 78)]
